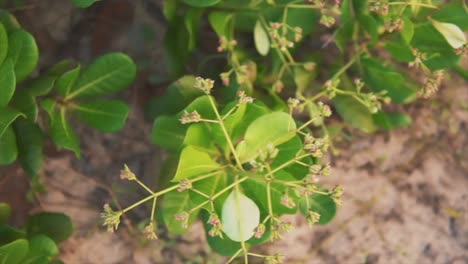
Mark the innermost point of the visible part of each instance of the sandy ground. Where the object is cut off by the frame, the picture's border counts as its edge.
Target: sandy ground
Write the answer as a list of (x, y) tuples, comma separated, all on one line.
[(406, 192)]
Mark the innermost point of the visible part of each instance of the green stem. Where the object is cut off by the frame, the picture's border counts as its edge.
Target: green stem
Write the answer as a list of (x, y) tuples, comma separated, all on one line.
[(226, 134), (414, 4), (153, 209), (289, 162), (144, 186)]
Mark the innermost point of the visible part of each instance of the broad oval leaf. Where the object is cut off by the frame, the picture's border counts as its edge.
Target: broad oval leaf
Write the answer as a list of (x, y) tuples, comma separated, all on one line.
[(201, 3), (26, 103), (194, 162), (321, 204), (3, 43), (451, 32), (65, 82), (7, 116), (61, 132), (262, 41), (240, 216), (57, 226), (42, 246), (14, 252), (273, 128), (168, 133), (408, 30), (107, 74), (9, 21), (29, 139), (354, 113), (7, 82), (23, 51), (391, 121), (174, 203), (106, 116), (221, 22), (9, 150)]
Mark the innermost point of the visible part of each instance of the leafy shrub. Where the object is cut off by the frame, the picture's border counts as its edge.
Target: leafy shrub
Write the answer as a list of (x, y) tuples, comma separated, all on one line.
[(37, 241)]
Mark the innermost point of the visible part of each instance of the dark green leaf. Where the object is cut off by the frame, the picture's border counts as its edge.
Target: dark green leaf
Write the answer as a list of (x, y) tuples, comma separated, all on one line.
[(7, 116), (29, 140), (453, 13), (104, 115), (176, 50), (3, 43), (221, 22), (322, 204), (194, 162), (391, 120), (23, 52), (8, 148), (61, 132), (7, 82), (57, 226), (66, 81), (5, 212), (42, 246), (192, 21), (354, 113), (201, 3), (408, 30), (26, 103), (107, 74), (223, 246), (168, 133), (9, 234), (14, 252), (84, 3), (400, 50), (288, 151), (174, 203), (43, 84), (198, 135)]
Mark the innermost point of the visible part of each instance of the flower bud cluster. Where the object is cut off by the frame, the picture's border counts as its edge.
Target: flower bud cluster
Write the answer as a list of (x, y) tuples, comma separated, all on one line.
[(204, 84), (432, 84), (111, 218), (243, 98), (330, 87), (280, 40), (318, 170), (127, 174), (316, 146), (380, 7), (226, 45), (295, 104), (463, 50), (336, 194), (312, 218), (149, 232), (259, 231), (183, 217), (278, 228), (187, 118), (184, 185), (288, 201), (394, 25), (265, 157), (275, 259), (216, 228)]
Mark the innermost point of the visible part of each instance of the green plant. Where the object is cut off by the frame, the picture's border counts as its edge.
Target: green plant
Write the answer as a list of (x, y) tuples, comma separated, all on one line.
[(37, 241), (60, 91)]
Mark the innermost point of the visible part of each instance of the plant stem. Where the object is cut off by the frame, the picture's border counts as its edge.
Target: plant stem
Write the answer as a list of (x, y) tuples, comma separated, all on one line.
[(226, 134), (414, 4), (289, 162), (144, 186)]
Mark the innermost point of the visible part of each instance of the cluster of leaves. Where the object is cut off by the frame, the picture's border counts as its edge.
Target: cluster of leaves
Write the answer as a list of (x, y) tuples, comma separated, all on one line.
[(62, 91), (239, 167), (36, 242)]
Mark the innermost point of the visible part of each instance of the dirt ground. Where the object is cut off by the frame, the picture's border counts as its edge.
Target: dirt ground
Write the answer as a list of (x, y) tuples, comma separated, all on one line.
[(406, 192)]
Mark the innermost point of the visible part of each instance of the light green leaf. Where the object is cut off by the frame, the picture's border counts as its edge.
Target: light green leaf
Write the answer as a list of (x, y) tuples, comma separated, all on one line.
[(287, 151), (174, 203), (84, 3), (65, 82), (3, 43), (8, 148), (42, 246), (29, 139), (61, 132), (240, 216), (274, 128), (221, 22), (23, 52), (262, 41), (198, 135), (5, 212), (104, 115), (201, 3), (7, 82), (14, 252), (107, 74), (354, 113), (391, 120), (7, 116), (194, 162), (408, 30), (322, 204), (57, 226), (451, 32)]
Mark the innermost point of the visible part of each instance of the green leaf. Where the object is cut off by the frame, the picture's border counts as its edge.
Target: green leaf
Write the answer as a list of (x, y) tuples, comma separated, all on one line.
[(26, 103), (274, 128), (7, 82), (240, 216), (400, 50), (174, 203), (354, 113), (170, 9), (194, 162), (379, 78), (391, 120), (322, 204), (221, 22), (210, 186), (176, 50), (3, 43), (43, 84), (192, 21), (107, 74), (9, 21), (5, 212), (8, 148), (370, 26), (408, 30), (7, 116), (57, 226), (223, 246), (168, 133), (104, 115), (42, 246), (198, 135), (65, 82), (455, 13), (23, 52), (29, 139), (9, 234), (84, 3), (201, 3), (179, 94), (14, 252), (288, 151), (451, 32), (262, 41), (61, 132)]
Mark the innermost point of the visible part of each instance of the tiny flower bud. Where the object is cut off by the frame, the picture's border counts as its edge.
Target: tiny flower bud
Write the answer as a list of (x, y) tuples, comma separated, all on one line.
[(127, 174), (309, 66), (111, 218), (182, 217), (149, 232), (187, 118), (185, 184), (287, 201), (313, 218), (204, 84), (259, 231), (276, 259)]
